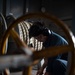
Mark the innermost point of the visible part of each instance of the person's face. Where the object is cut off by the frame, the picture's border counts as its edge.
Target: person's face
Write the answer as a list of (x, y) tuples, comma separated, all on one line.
[(41, 38)]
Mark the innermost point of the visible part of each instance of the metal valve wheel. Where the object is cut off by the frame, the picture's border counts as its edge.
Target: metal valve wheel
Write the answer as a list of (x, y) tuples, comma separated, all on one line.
[(3, 28), (46, 52)]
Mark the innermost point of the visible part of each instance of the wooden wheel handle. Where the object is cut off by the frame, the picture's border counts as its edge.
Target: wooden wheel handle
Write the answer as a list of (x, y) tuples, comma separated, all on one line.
[(47, 52)]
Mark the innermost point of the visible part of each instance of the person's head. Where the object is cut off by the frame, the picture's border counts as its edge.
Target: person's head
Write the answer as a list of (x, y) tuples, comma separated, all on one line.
[(38, 31)]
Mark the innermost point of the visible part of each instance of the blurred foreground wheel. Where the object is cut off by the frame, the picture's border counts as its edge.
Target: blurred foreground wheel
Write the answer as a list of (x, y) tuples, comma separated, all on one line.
[(46, 52)]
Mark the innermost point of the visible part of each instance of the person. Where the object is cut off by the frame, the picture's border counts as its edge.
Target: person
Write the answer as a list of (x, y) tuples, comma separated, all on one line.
[(54, 65)]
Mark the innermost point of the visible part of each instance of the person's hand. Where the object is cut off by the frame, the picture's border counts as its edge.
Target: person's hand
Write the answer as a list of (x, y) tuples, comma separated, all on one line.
[(40, 72)]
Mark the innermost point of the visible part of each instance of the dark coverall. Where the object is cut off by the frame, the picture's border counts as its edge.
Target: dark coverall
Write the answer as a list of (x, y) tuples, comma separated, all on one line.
[(56, 65)]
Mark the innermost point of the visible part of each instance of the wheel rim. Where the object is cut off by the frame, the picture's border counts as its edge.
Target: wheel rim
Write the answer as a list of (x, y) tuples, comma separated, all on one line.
[(64, 27)]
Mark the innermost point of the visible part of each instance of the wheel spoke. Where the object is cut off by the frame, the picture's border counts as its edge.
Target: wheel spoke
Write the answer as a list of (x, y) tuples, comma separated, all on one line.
[(18, 41), (53, 51)]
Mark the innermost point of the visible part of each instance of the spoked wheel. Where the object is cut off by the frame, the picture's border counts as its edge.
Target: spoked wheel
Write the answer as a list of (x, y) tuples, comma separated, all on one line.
[(46, 52), (3, 28)]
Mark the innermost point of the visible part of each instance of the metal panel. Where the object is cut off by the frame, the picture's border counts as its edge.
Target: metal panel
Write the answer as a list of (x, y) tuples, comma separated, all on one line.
[(15, 7)]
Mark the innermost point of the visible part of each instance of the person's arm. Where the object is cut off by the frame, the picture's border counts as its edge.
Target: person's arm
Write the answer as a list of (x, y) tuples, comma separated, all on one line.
[(40, 71)]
